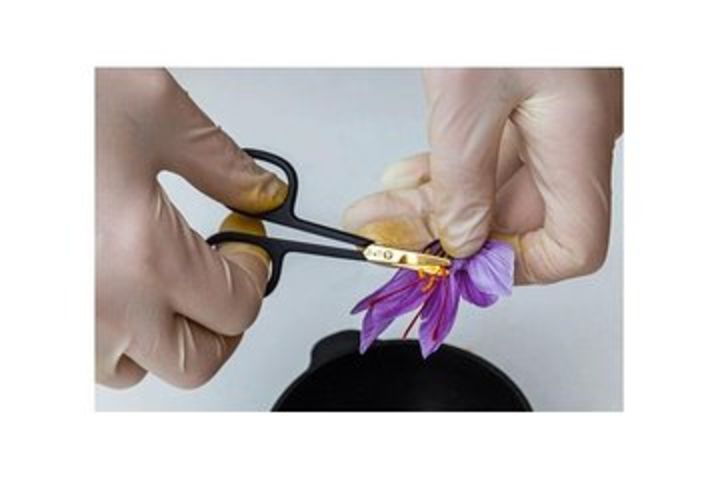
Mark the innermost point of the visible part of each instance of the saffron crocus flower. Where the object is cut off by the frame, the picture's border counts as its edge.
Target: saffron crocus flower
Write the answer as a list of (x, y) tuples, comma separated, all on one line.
[(479, 279)]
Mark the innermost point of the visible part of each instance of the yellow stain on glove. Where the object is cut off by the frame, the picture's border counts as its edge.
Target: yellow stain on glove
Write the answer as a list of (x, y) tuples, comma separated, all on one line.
[(402, 232), (236, 222)]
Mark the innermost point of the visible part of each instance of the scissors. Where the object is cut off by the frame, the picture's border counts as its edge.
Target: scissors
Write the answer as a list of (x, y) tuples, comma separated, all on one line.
[(365, 249)]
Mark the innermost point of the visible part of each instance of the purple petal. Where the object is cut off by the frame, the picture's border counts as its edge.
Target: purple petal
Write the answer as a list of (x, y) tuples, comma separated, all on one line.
[(378, 318), (372, 327), (402, 294), (491, 269), (479, 279), (439, 315), (400, 280), (470, 293), (401, 303)]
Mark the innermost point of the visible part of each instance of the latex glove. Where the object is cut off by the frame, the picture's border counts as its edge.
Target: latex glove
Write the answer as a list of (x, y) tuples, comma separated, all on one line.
[(524, 153), (165, 301)]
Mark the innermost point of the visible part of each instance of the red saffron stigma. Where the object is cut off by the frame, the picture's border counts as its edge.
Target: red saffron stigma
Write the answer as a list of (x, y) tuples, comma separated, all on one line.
[(439, 322), (412, 323)]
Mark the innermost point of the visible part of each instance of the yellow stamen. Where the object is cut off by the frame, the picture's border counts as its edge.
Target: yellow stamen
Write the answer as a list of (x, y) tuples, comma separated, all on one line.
[(429, 284)]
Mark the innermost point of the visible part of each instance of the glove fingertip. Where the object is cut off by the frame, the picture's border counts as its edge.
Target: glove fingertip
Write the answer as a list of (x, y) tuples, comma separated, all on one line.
[(408, 173), (461, 247), (408, 233), (264, 193), (236, 222)]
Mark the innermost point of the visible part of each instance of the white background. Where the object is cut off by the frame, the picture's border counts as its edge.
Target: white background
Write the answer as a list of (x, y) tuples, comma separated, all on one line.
[(561, 343), (670, 423)]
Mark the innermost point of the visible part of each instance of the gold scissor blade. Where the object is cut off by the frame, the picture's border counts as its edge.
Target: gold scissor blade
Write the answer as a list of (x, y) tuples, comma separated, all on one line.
[(395, 257)]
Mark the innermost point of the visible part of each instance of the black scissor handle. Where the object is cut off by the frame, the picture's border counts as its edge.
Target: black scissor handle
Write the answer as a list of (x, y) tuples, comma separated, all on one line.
[(274, 249), (277, 248), (284, 214)]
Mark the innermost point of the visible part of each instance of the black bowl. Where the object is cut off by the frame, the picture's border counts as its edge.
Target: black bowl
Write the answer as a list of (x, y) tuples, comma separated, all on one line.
[(392, 376)]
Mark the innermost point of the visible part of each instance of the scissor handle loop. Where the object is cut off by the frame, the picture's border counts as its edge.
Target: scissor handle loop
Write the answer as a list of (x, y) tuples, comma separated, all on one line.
[(275, 250), (283, 214)]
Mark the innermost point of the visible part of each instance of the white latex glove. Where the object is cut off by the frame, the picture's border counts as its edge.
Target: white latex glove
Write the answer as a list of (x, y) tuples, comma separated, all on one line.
[(524, 153), (165, 301)]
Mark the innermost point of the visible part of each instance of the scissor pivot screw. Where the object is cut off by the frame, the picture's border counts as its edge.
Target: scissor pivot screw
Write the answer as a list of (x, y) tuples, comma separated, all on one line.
[(387, 254)]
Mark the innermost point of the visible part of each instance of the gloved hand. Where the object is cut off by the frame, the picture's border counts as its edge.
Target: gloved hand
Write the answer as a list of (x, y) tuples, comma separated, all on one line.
[(525, 154), (165, 301)]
